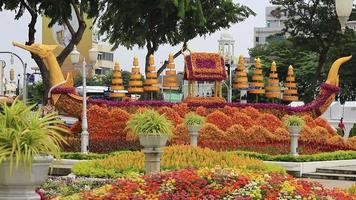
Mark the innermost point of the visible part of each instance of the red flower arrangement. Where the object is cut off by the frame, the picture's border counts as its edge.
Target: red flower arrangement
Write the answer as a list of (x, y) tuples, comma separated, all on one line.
[(219, 119)]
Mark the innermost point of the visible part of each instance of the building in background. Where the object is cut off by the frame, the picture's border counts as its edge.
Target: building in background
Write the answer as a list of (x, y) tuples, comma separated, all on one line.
[(105, 63), (60, 35), (275, 18)]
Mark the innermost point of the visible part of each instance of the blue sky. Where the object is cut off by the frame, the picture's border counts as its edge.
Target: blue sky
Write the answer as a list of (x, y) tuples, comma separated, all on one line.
[(16, 30)]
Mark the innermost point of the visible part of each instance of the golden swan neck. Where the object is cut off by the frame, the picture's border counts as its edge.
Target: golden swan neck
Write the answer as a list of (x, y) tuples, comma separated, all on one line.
[(46, 53), (333, 76)]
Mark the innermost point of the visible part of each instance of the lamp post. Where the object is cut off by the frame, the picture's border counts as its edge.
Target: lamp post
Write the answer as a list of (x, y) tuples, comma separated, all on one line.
[(24, 65), (2, 66), (343, 11), (75, 56), (226, 49)]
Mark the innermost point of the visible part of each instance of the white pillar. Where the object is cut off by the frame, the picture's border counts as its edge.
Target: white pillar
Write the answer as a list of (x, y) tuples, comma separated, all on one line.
[(2, 78), (85, 134)]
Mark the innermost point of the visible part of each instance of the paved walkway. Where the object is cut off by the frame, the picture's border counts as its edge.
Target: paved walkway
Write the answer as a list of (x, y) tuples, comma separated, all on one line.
[(333, 183)]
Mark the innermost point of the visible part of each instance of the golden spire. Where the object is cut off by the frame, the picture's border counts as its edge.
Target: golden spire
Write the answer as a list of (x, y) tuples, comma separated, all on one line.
[(151, 77), (257, 78), (135, 83), (290, 93), (116, 83), (241, 81), (273, 89), (170, 80)]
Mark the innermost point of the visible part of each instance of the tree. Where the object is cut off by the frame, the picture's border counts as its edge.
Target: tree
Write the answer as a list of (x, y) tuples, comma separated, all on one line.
[(153, 23), (345, 47), (35, 92), (285, 53), (59, 12), (102, 80), (313, 26)]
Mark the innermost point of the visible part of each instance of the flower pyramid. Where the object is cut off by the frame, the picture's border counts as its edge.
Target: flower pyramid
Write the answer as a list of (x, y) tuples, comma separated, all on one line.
[(170, 79), (135, 83), (257, 78), (290, 93), (150, 84), (116, 83), (273, 89), (241, 81)]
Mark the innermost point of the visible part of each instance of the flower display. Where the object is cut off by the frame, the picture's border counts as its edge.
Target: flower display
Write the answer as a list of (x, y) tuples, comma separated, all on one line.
[(204, 67), (216, 183), (71, 104), (219, 119), (173, 158), (171, 115), (229, 124), (201, 111)]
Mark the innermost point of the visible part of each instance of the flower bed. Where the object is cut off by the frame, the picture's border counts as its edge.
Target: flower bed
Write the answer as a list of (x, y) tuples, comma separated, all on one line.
[(216, 184), (67, 186), (244, 129), (173, 158)]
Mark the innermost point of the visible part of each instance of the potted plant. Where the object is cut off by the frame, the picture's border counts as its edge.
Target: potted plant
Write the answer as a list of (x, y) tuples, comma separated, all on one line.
[(153, 130), (27, 141), (193, 122), (294, 124)]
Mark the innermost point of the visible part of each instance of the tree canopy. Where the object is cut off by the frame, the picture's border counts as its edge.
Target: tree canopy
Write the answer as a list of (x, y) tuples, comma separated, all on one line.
[(313, 26), (153, 23), (284, 52), (58, 12)]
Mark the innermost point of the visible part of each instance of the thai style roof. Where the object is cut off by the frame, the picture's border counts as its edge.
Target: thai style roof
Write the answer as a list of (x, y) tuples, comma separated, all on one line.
[(204, 67)]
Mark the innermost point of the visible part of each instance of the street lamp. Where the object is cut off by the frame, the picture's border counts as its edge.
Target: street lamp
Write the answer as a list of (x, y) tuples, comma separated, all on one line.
[(75, 56), (24, 65), (226, 49), (2, 66), (343, 11)]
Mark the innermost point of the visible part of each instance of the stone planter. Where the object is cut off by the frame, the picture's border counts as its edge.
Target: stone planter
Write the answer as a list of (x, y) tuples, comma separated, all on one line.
[(22, 183), (194, 133), (294, 135), (152, 149), (153, 141)]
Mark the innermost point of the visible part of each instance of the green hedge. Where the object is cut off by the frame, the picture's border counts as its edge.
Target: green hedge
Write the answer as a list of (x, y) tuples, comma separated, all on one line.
[(89, 156), (82, 156), (353, 131), (337, 155)]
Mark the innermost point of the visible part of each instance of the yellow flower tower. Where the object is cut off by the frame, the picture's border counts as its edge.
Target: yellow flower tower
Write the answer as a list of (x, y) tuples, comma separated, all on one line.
[(135, 83), (273, 89), (241, 81), (170, 80), (116, 83), (290, 93), (150, 84), (257, 78)]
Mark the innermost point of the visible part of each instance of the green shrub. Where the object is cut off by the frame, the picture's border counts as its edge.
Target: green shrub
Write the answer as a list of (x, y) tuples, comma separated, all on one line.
[(294, 120), (82, 156), (193, 119), (353, 131), (337, 155), (150, 122)]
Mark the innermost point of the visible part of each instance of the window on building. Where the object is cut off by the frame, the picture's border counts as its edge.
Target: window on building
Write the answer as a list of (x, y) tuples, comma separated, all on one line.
[(257, 39), (98, 71), (106, 56)]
